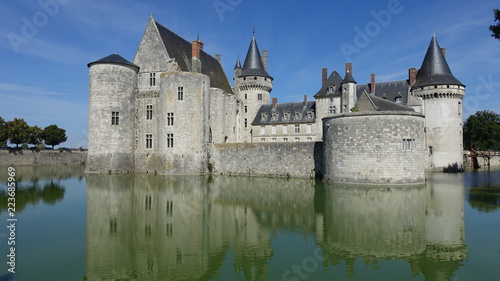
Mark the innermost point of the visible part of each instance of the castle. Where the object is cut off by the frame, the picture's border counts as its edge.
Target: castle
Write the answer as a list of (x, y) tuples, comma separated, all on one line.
[(173, 105)]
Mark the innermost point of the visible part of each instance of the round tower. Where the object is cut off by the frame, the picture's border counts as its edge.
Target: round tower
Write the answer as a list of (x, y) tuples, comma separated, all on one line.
[(349, 99), (253, 86), (442, 96), (112, 88)]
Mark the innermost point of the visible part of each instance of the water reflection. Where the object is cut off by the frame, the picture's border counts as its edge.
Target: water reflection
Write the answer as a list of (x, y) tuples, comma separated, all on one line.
[(484, 194), (148, 227)]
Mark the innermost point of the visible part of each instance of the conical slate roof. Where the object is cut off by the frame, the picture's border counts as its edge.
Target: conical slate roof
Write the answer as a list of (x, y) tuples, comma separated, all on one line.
[(238, 64), (435, 69), (348, 78), (253, 62), (114, 58)]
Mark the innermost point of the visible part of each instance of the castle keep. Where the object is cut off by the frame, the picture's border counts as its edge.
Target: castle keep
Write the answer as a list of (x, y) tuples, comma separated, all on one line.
[(172, 110)]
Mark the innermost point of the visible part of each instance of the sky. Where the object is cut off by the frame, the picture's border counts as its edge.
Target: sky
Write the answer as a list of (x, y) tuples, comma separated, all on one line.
[(46, 45)]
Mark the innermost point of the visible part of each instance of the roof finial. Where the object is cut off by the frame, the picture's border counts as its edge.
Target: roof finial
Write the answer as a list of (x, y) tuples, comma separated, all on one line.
[(253, 30), (433, 34)]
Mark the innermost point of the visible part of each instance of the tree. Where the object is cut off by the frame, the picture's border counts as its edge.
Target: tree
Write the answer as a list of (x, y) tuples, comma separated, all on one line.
[(483, 130), (53, 135), (35, 135), (17, 131), (495, 29), (3, 132)]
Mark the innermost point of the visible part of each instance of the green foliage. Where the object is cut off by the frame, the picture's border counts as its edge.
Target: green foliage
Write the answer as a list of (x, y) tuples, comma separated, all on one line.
[(34, 135), (53, 135), (17, 131), (483, 130), (495, 29), (3, 132)]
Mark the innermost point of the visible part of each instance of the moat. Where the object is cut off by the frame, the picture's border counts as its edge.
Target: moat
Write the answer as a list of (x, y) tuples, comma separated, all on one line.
[(77, 226)]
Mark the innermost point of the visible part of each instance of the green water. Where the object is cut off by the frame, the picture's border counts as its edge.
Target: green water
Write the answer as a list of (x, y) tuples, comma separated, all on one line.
[(73, 226)]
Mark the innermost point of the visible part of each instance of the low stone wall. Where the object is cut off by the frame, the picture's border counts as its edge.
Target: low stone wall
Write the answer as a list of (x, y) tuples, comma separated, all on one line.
[(300, 159), (44, 157)]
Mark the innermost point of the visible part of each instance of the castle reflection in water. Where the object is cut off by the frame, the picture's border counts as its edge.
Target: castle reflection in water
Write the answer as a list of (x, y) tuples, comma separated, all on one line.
[(171, 228)]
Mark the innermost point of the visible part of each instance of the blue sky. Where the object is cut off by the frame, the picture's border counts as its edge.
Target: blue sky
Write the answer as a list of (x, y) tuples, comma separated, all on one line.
[(45, 46)]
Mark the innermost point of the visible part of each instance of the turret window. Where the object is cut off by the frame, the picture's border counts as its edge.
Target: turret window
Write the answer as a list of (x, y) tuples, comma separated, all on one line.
[(246, 122), (246, 108), (170, 119), (152, 79), (149, 112), (180, 93), (149, 141), (115, 118), (259, 96), (170, 140), (408, 144)]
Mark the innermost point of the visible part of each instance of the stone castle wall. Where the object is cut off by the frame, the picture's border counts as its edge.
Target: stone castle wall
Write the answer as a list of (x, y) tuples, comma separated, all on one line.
[(301, 159), (44, 157), (368, 148)]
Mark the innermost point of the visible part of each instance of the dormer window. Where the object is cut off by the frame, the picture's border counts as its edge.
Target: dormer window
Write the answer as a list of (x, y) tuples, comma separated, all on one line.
[(297, 114), (263, 116), (286, 115), (330, 89), (275, 116), (309, 114)]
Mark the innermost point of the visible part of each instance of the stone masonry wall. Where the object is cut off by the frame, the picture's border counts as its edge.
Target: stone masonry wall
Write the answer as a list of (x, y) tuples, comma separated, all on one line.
[(369, 148), (301, 159), (44, 157)]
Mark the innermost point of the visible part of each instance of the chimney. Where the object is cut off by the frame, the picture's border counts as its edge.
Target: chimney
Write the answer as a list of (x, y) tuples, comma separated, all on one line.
[(443, 51), (372, 84), (348, 67), (305, 100), (264, 59), (412, 75), (324, 76), (197, 46), (275, 101), (217, 57)]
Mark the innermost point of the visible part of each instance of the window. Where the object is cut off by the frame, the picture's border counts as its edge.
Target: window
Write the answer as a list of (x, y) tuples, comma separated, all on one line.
[(263, 139), (408, 144), (286, 115), (273, 130), (149, 112), (170, 140), (285, 139), (115, 118), (459, 108), (169, 229), (309, 114), (332, 109), (262, 130), (246, 108), (149, 141), (297, 115), (255, 78), (331, 100), (170, 208), (296, 139), (148, 203), (275, 116), (308, 128), (297, 128), (152, 79), (263, 116), (430, 150), (331, 88), (246, 122), (259, 96), (180, 93), (246, 96), (285, 129), (170, 119), (309, 139), (273, 139)]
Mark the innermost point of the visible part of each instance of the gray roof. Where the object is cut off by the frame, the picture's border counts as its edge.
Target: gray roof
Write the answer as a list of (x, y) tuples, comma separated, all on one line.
[(380, 104), (435, 69), (291, 109), (114, 58), (180, 49), (253, 62), (334, 80), (348, 78), (389, 90), (238, 64)]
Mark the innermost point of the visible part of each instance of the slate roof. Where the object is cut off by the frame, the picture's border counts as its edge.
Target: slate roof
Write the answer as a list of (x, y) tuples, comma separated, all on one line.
[(291, 109), (334, 80), (253, 62), (348, 78), (435, 69), (389, 90), (380, 104), (180, 49), (114, 58)]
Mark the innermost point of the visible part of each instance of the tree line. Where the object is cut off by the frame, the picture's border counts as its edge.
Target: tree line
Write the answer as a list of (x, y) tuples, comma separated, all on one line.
[(482, 131), (18, 132)]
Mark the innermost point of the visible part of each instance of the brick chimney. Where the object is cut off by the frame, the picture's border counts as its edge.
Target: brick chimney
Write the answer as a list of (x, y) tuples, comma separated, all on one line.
[(324, 76), (372, 83), (412, 75), (305, 100), (348, 67), (443, 51), (264, 59), (197, 47), (275, 102)]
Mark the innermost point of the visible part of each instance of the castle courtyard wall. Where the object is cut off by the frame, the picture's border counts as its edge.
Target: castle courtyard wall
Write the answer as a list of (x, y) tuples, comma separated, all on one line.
[(301, 159)]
